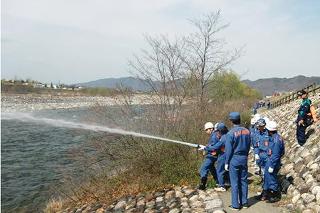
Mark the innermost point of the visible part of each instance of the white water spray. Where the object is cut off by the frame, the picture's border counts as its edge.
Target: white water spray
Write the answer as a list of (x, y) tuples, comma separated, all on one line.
[(72, 125)]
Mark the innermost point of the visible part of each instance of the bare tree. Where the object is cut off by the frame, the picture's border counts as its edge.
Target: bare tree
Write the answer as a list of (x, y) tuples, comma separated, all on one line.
[(173, 68), (206, 53), (163, 70)]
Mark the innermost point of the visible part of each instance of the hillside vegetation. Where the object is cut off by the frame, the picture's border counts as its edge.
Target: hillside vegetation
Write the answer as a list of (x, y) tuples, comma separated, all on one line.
[(268, 86)]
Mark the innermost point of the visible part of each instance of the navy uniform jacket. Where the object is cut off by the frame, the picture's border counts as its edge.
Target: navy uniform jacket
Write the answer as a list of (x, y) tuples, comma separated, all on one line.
[(258, 140), (237, 142), (276, 151), (212, 141), (218, 147)]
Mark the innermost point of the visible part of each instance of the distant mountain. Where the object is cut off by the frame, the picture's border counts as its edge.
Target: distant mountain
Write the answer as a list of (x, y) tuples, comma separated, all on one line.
[(268, 86), (127, 82)]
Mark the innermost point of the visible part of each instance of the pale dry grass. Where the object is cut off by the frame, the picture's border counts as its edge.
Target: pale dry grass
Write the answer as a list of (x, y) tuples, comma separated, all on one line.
[(53, 206)]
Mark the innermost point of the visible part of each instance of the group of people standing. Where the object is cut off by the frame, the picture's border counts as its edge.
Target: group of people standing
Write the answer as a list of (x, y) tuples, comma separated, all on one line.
[(268, 148), (229, 150)]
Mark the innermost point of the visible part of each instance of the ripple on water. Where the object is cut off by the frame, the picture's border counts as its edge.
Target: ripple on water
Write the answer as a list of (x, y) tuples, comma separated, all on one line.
[(33, 157)]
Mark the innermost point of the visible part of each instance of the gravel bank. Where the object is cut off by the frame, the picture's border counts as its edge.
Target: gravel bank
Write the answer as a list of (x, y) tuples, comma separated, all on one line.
[(29, 103)]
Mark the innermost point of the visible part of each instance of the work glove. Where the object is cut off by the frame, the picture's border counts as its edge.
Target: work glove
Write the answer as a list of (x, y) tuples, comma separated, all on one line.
[(256, 156), (201, 147), (300, 123), (270, 170), (226, 167)]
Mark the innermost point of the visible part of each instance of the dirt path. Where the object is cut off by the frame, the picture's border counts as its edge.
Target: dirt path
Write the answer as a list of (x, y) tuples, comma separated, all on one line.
[(255, 206)]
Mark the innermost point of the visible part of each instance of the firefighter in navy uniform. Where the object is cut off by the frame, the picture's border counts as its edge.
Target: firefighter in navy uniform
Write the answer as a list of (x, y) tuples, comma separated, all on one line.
[(210, 158), (276, 150), (219, 148), (258, 139), (237, 146)]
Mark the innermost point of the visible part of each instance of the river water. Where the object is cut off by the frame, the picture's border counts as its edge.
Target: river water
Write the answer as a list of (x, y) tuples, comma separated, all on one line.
[(38, 149), (34, 157)]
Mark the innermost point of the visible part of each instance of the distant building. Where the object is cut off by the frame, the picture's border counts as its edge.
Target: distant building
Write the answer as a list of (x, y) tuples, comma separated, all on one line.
[(38, 85)]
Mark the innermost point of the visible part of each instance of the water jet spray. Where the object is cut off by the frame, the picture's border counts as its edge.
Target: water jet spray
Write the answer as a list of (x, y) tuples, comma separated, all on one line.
[(73, 125)]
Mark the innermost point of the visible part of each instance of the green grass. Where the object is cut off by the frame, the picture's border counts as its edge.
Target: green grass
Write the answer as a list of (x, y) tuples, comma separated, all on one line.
[(211, 183)]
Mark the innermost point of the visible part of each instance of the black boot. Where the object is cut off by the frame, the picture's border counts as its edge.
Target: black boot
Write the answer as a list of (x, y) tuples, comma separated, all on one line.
[(203, 183), (275, 196), (263, 196)]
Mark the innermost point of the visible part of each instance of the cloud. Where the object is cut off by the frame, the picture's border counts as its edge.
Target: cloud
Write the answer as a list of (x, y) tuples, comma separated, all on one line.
[(81, 40)]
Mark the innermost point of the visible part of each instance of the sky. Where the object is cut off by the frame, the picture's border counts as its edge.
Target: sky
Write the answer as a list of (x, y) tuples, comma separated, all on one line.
[(73, 41)]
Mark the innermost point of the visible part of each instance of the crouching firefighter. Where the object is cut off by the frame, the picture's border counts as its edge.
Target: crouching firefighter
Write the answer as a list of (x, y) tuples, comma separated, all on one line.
[(219, 149), (211, 156), (275, 152)]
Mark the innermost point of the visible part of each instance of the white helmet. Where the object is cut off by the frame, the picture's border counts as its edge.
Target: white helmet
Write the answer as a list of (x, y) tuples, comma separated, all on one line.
[(266, 119), (253, 121), (271, 126), (208, 125), (257, 117), (216, 126)]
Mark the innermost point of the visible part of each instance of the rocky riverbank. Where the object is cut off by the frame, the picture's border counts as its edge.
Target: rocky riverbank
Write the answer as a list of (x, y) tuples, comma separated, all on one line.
[(36, 102), (302, 163), (179, 199)]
